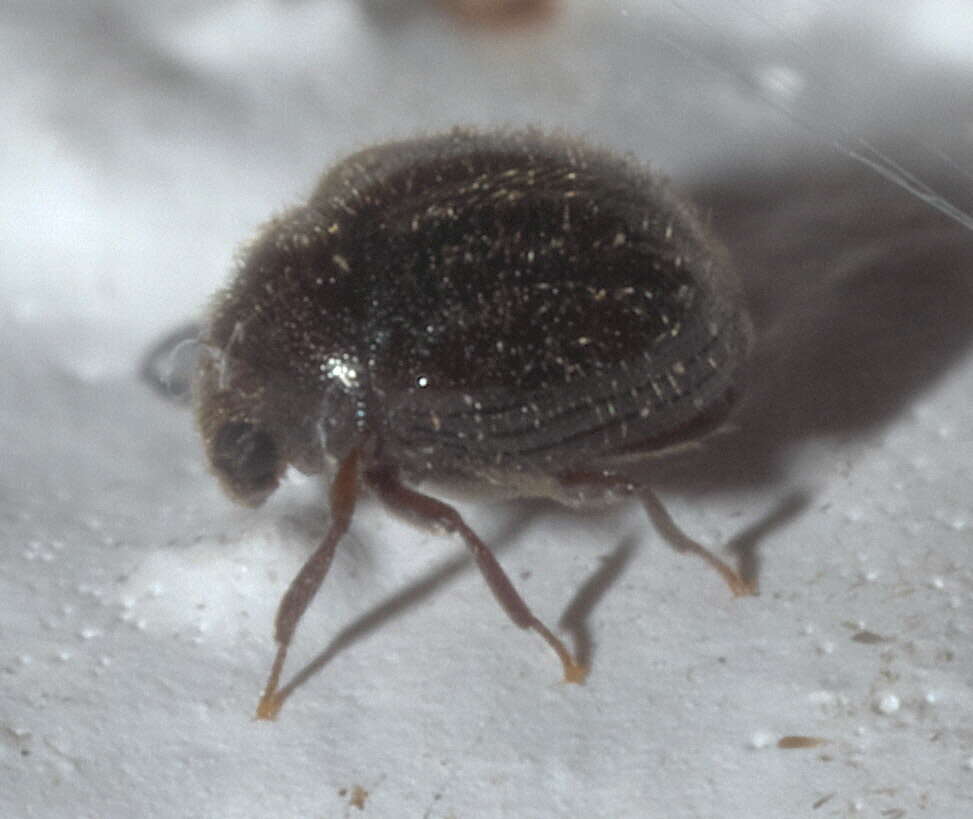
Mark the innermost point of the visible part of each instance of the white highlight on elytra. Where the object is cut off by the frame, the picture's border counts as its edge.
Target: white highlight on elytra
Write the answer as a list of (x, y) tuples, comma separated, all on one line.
[(343, 370)]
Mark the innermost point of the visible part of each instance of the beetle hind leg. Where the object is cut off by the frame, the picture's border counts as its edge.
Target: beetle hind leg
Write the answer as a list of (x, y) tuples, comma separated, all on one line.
[(611, 484), (681, 542)]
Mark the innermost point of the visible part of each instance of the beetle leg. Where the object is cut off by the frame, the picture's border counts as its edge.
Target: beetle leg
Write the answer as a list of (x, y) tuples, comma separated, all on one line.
[(663, 522), (428, 511), (681, 542), (344, 493)]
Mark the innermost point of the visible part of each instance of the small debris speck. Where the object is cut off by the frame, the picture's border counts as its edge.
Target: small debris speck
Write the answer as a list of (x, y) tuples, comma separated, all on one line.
[(790, 743), (358, 797), (868, 637), (823, 801)]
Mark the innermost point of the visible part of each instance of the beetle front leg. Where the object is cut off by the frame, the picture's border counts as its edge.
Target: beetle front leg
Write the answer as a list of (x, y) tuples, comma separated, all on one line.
[(344, 493)]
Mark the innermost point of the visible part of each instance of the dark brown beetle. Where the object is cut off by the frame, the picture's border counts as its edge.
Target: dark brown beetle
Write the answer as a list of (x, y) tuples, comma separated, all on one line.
[(507, 311)]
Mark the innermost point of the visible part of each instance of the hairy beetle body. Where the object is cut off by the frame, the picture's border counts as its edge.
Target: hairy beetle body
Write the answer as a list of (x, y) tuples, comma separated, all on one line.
[(506, 310), (482, 305)]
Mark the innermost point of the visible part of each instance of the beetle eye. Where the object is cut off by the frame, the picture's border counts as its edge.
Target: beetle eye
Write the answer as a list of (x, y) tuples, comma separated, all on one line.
[(246, 456)]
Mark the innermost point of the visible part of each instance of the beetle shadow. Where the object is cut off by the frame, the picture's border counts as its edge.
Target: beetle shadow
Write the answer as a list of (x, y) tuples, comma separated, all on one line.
[(575, 618), (168, 365), (861, 297), (745, 545)]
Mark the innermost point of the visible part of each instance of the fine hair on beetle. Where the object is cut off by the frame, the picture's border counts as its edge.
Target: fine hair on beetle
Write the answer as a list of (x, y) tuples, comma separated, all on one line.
[(507, 311)]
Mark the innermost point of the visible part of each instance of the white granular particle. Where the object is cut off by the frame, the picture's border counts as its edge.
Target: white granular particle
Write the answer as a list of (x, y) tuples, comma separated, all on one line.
[(761, 739), (822, 697), (887, 704)]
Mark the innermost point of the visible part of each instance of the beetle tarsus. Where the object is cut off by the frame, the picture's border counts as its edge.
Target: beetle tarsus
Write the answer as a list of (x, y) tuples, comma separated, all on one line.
[(269, 706), (574, 672), (271, 700)]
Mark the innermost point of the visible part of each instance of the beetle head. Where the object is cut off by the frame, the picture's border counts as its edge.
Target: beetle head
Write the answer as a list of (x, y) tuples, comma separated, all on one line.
[(243, 446)]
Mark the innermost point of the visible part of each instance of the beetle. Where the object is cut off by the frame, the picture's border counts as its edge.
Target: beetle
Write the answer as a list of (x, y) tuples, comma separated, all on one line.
[(503, 310)]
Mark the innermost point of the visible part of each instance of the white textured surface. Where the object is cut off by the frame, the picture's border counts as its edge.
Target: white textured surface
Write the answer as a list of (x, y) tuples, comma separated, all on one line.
[(142, 141)]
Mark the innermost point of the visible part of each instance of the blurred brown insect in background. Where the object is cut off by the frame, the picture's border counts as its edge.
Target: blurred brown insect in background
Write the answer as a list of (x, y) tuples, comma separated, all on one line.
[(500, 13)]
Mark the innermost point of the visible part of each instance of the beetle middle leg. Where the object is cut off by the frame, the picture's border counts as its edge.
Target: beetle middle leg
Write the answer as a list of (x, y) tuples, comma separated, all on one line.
[(428, 511), (610, 483)]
